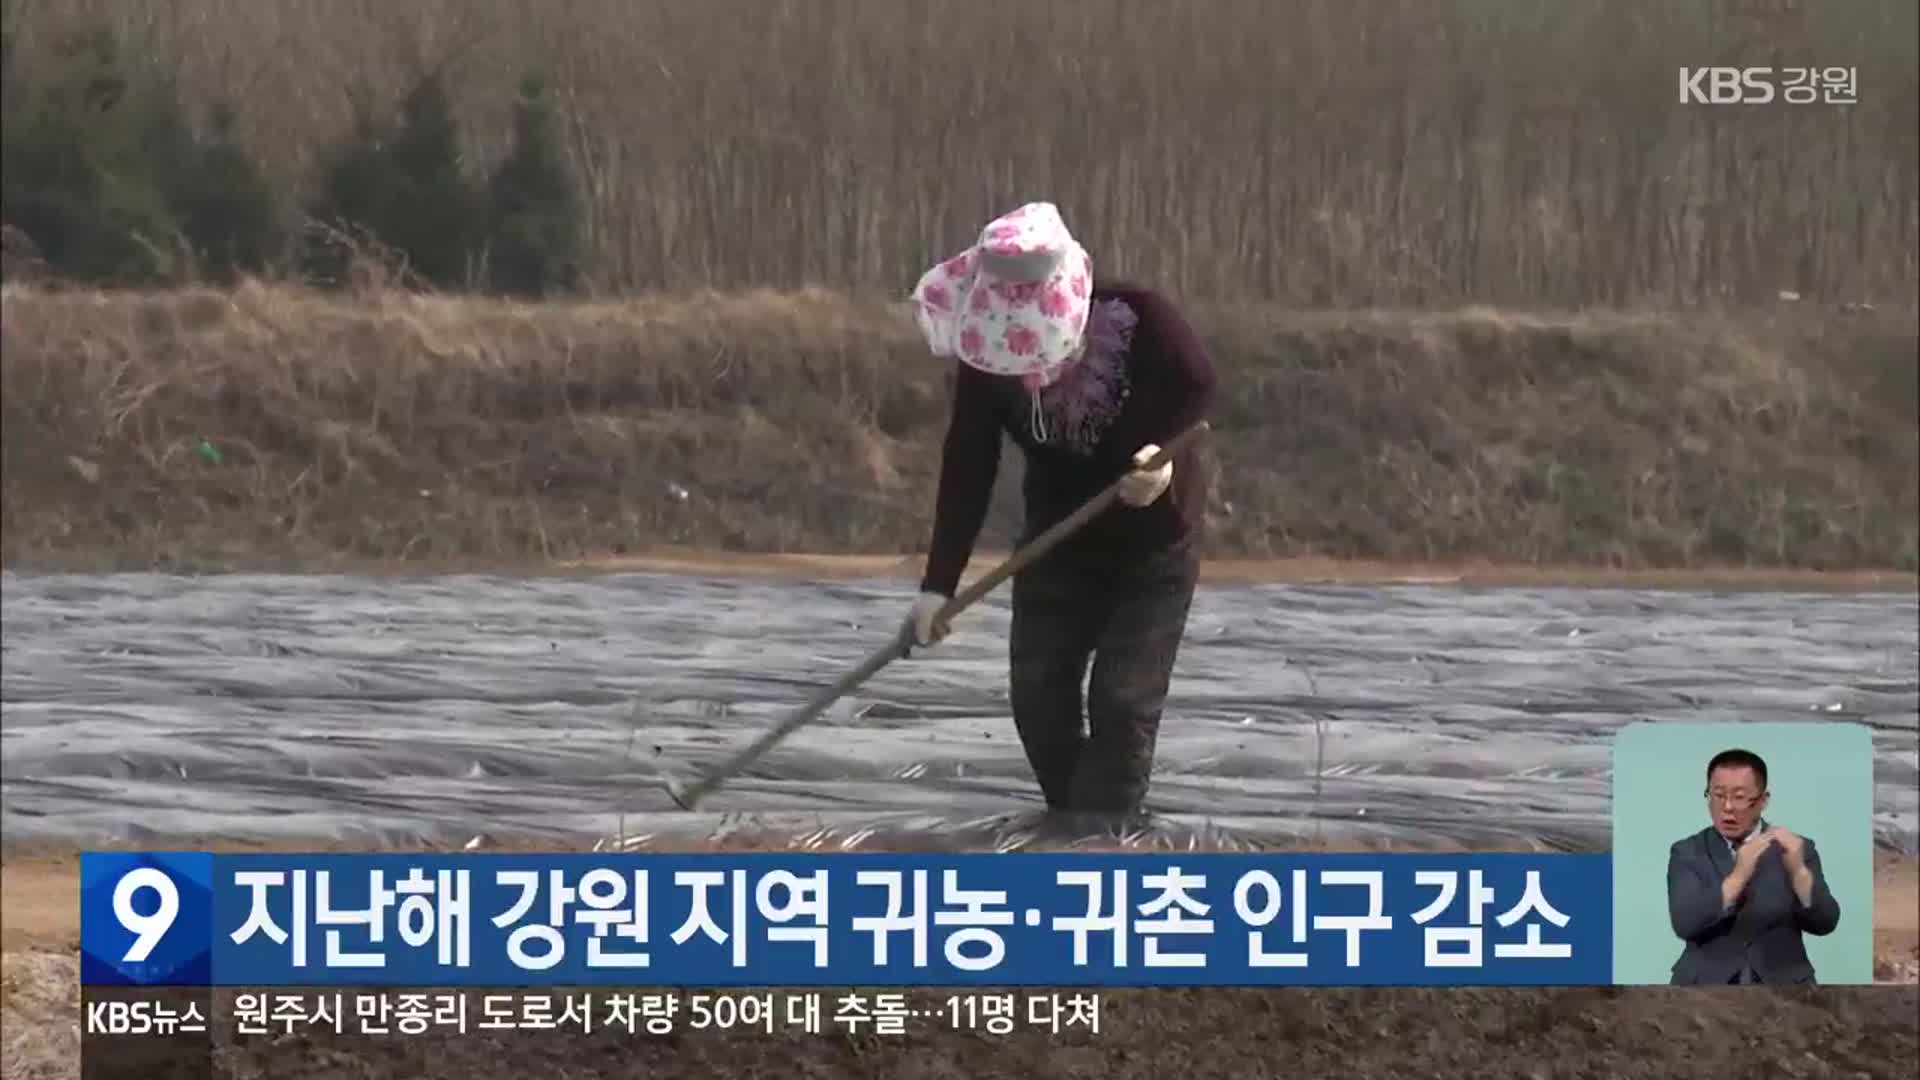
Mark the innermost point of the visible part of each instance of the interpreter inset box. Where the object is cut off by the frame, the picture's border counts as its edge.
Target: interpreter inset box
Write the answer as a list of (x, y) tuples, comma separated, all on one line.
[(1743, 854)]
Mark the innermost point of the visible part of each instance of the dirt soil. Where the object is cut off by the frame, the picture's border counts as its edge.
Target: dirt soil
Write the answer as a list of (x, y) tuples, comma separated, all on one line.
[(1528, 1034)]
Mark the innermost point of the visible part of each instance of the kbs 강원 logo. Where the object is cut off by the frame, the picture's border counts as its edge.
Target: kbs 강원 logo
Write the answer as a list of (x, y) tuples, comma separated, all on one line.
[(1763, 85), (146, 919)]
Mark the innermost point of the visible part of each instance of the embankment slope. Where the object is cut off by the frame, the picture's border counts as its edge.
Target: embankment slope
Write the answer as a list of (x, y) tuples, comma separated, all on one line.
[(267, 427)]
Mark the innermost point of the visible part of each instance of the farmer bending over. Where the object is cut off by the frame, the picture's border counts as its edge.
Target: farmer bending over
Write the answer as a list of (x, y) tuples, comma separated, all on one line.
[(1088, 380)]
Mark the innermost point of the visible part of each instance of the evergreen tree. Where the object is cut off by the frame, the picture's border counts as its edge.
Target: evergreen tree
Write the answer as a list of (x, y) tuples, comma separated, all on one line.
[(105, 176), (161, 177), (533, 212), (404, 184), (354, 193), (433, 219), (74, 182), (227, 207)]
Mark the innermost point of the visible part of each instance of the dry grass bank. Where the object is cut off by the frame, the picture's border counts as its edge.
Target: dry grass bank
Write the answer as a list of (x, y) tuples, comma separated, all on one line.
[(400, 427), (1324, 153)]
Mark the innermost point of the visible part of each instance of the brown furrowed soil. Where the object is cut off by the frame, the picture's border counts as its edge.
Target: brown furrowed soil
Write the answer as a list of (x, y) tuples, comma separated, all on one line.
[(268, 428), (1484, 1032)]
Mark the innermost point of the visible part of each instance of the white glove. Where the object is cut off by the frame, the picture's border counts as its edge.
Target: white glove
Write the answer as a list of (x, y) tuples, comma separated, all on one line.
[(1139, 488), (920, 620)]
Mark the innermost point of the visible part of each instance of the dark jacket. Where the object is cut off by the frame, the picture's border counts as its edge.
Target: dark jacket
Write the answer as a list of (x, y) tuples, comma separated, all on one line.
[(1765, 926)]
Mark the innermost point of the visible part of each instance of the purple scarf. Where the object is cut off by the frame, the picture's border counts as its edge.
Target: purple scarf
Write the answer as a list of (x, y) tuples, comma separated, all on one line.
[(1073, 405)]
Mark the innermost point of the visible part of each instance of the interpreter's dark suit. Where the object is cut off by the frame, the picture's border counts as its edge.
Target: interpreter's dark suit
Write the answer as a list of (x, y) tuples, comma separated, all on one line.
[(1759, 940)]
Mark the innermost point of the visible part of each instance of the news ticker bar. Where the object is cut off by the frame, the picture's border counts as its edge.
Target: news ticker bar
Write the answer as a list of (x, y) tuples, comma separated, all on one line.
[(142, 1011), (148, 1032), (796, 920)]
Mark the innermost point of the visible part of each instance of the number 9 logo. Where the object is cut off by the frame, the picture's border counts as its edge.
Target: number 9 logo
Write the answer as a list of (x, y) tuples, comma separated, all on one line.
[(146, 929)]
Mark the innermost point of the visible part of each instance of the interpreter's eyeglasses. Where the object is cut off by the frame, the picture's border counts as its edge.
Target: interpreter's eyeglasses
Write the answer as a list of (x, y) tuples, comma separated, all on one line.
[(1739, 800)]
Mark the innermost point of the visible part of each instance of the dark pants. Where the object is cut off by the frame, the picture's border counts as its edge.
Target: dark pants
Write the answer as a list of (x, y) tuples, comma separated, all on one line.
[(1127, 620)]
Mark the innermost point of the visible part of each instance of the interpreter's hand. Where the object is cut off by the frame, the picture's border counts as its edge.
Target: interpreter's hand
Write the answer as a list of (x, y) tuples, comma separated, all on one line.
[(1748, 856), (1140, 487), (1793, 849), (920, 621)]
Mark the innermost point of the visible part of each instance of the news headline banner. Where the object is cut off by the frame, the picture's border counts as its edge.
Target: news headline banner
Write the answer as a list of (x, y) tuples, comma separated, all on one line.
[(792, 919)]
